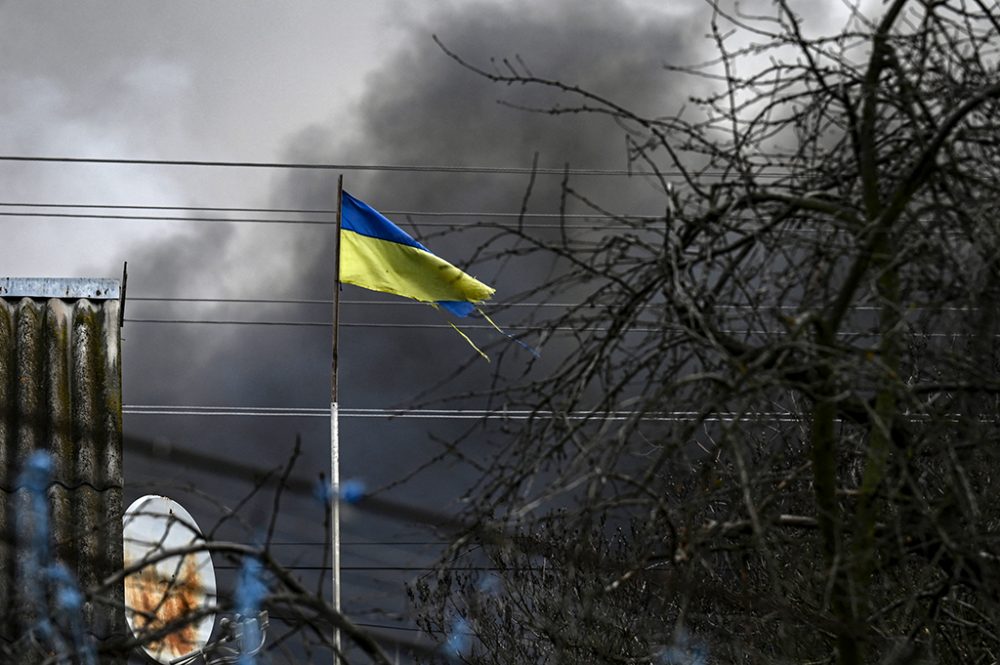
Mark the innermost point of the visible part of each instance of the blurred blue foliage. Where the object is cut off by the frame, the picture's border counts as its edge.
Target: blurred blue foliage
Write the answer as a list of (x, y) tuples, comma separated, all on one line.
[(685, 650), (46, 578), (459, 640), (490, 584), (352, 490), (250, 593), (323, 492)]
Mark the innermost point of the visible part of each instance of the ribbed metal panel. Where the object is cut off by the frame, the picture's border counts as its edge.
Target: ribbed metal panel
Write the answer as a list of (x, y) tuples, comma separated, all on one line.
[(60, 391)]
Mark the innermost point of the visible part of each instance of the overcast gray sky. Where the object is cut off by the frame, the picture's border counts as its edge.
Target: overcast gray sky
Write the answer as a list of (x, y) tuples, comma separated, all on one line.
[(226, 80), (221, 80)]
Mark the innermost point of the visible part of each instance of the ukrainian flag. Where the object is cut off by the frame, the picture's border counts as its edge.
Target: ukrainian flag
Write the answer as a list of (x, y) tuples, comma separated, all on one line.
[(378, 255)]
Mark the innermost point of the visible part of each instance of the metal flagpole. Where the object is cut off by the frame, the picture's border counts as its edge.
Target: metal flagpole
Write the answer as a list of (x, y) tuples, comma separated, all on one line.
[(335, 432)]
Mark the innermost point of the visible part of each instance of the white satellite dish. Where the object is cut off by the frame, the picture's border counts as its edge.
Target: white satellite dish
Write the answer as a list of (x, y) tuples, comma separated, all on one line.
[(170, 589)]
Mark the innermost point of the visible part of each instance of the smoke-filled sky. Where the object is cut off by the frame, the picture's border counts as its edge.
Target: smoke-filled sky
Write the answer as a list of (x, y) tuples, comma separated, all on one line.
[(310, 81)]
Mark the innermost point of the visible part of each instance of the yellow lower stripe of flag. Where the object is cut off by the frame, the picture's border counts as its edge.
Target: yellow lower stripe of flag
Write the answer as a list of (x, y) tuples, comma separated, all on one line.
[(382, 265)]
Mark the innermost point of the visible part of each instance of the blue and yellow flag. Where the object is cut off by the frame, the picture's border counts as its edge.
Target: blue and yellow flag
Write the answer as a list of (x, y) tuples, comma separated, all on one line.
[(378, 255)]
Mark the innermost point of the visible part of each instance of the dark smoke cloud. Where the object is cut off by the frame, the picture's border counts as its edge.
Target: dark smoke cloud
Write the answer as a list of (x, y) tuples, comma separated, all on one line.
[(423, 108)]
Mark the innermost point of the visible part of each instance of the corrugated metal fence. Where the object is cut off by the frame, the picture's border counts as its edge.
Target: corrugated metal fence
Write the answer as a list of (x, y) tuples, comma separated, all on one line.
[(60, 391)]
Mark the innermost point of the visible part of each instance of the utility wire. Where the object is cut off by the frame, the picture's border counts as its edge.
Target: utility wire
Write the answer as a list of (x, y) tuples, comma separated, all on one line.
[(411, 168), (165, 218), (359, 543), (325, 324), (387, 627), (443, 326), (323, 211), (534, 328), (307, 222), (120, 206), (444, 414), (404, 569), (322, 301), (492, 303)]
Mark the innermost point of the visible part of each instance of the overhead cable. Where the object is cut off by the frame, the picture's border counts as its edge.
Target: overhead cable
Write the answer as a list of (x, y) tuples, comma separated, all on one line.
[(359, 543), (309, 222), (423, 326), (327, 324), (405, 168), (328, 301), (444, 414), (326, 211), (405, 569), (492, 304), (520, 328)]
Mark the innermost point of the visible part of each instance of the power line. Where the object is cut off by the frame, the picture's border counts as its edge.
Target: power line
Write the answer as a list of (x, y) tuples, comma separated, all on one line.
[(387, 627), (492, 304), (266, 301), (324, 211), (444, 414), (326, 324), (166, 218), (536, 328), (421, 326), (431, 326), (404, 569), (410, 168), (328, 301), (360, 543), (119, 206), (312, 222)]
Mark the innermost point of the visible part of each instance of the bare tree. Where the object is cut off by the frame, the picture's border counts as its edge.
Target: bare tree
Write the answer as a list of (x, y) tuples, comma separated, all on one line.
[(774, 438)]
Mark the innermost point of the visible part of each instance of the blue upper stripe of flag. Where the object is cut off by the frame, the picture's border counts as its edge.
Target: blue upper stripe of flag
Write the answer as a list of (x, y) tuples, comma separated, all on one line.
[(457, 307), (365, 220)]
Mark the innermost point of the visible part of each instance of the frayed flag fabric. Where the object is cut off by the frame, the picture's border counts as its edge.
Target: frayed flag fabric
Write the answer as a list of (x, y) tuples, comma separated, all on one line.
[(378, 255)]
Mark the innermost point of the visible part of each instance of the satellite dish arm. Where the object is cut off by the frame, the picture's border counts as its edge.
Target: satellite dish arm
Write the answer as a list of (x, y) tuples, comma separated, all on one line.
[(233, 630)]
